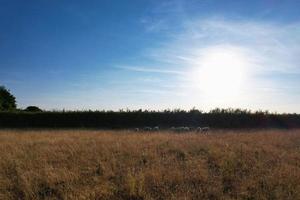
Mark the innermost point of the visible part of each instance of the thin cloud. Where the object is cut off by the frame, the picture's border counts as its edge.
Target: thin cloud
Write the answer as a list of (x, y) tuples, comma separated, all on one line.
[(150, 70), (160, 92), (270, 47)]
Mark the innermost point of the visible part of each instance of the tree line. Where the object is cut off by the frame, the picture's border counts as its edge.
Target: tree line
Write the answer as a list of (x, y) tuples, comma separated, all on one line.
[(33, 117), (217, 118)]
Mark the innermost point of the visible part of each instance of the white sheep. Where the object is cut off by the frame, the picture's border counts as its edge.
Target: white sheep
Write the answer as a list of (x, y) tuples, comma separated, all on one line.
[(198, 129), (156, 128), (179, 129), (147, 128), (205, 129), (186, 129), (182, 129)]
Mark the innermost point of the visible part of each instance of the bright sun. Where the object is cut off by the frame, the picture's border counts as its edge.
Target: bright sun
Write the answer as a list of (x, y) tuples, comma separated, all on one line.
[(220, 73)]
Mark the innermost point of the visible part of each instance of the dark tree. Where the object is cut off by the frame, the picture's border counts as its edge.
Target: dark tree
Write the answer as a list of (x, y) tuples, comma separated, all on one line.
[(7, 100), (33, 109)]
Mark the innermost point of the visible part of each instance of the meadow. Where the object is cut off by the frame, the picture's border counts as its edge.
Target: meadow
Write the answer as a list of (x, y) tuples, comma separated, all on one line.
[(91, 164)]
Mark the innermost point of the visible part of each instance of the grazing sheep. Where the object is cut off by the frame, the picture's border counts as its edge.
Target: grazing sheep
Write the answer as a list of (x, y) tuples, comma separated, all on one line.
[(182, 129), (198, 129), (156, 128), (147, 128), (186, 129), (192, 128), (179, 129), (205, 130)]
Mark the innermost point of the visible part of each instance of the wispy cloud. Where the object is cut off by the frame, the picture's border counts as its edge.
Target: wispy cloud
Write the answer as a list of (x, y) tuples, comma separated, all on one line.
[(160, 92), (150, 70), (164, 17), (269, 46), (264, 47)]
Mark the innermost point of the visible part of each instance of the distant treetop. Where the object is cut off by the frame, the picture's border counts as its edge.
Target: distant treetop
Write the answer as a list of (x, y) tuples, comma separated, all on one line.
[(33, 109)]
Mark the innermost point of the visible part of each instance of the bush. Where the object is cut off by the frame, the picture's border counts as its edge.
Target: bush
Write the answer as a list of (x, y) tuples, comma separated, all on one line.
[(33, 109)]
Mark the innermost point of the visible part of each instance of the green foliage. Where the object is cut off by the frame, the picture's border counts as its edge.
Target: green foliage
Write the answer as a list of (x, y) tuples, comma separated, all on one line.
[(217, 118), (7, 100), (33, 109)]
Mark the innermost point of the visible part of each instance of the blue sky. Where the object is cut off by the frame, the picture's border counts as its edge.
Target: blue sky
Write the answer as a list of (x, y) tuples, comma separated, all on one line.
[(151, 54)]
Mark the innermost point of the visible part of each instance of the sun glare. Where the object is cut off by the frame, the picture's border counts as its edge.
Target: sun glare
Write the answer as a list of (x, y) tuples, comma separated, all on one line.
[(220, 73)]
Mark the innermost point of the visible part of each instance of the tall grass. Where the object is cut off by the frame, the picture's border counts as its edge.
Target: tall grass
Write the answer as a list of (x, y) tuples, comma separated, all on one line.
[(126, 165)]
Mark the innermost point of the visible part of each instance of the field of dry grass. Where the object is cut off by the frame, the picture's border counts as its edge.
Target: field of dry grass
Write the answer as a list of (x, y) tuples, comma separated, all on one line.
[(126, 165)]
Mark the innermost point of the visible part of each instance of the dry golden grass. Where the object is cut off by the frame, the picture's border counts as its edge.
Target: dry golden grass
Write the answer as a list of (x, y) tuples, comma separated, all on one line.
[(127, 165)]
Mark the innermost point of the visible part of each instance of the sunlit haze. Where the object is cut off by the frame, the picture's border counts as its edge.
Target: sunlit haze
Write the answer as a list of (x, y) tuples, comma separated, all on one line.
[(220, 73)]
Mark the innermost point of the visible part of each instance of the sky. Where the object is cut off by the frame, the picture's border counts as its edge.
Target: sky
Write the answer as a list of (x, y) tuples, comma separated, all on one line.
[(151, 54)]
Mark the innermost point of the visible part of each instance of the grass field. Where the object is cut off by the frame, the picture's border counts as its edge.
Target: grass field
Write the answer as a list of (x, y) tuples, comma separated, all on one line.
[(83, 164)]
